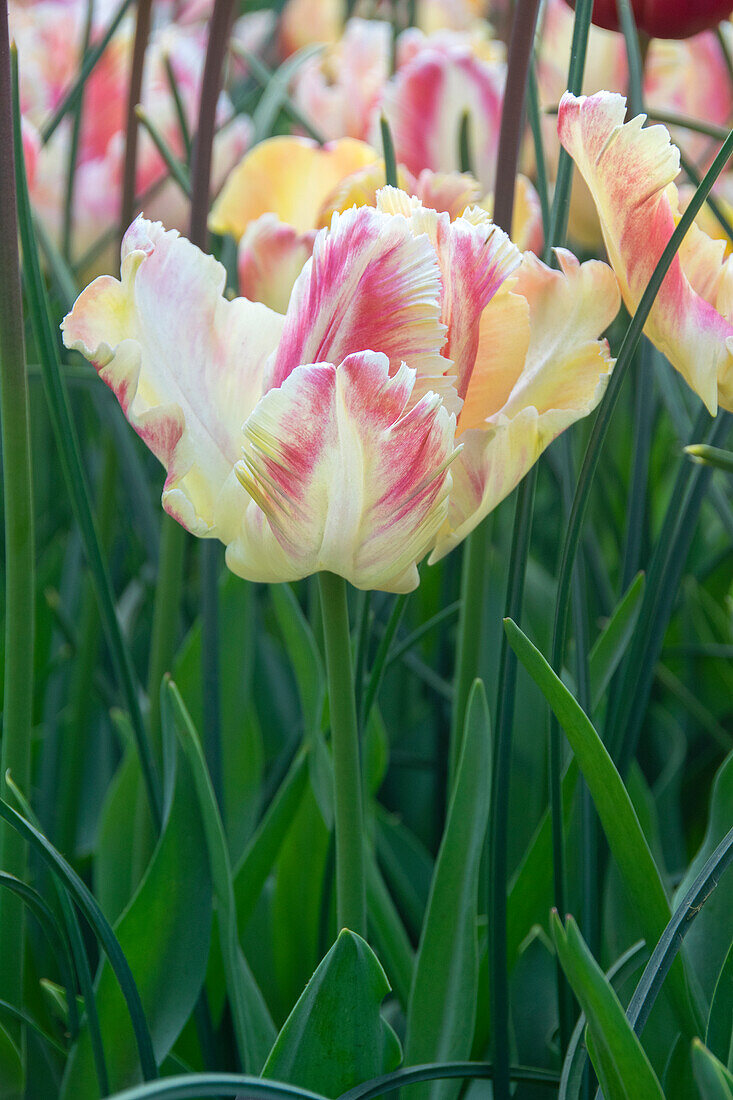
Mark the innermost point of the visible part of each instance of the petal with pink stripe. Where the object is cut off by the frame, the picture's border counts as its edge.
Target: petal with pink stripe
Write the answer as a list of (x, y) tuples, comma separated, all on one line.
[(184, 363), (345, 474), (630, 170), (475, 258), (540, 368), (370, 285)]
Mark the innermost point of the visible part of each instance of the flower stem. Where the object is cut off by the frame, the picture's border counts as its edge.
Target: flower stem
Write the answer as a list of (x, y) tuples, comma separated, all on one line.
[(134, 95), (349, 815), (166, 615), (19, 543)]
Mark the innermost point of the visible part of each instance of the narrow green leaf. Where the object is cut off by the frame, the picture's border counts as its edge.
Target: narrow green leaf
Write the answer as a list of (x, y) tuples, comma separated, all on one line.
[(719, 1034), (623, 1068), (708, 941), (195, 1085), (88, 905), (617, 816), (253, 1027), (335, 1036), (165, 933), (713, 1079), (711, 456), (442, 1008), (611, 643)]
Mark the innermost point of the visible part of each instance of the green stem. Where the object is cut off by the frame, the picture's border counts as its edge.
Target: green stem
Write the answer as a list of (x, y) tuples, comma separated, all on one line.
[(349, 814), (166, 614), (19, 542)]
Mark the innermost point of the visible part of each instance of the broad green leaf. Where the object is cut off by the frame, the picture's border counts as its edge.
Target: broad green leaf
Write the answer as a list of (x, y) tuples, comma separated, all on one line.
[(335, 1037), (304, 654), (713, 1079), (298, 934), (262, 851), (406, 865), (11, 1068), (616, 813), (708, 941), (125, 835), (679, 1077), (388, 932), (442, 1008), (622, 1066), (253, 1027), (611, 643), (164, 933), (241, 736), (719, 1035)]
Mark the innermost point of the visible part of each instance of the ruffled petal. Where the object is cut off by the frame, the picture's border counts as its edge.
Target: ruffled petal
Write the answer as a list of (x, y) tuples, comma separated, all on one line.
[(629, 171), (563, 378), (346, 475), (271, 256), (184, 363), (371, 284), (287, 176), (475, 258)]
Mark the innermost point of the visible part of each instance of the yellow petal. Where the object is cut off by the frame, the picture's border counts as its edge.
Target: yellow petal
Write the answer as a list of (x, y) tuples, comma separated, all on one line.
[(290, 177)]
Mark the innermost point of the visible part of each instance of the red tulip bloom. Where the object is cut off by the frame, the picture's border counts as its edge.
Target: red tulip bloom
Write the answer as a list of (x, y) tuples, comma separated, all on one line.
[(665, 18)]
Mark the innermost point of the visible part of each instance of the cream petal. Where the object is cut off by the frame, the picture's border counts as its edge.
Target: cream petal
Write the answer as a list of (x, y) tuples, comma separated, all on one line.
[(563, 378), (184, 363), (345, 475)]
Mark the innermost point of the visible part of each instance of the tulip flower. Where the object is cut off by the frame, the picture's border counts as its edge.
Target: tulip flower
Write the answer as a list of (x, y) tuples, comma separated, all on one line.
[(287, 188), (420, 368), (47, 67), (665, 18), (439, 81), (630, 171)]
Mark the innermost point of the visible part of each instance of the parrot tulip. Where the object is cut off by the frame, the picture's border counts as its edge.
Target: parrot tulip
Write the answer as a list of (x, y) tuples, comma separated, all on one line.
[(420, 368)]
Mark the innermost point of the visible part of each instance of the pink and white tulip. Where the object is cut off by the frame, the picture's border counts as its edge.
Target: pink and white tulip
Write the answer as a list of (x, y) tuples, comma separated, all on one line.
[(630, 171), (380, 417)]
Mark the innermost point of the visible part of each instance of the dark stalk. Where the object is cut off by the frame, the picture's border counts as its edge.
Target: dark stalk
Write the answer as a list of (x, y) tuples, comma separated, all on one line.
[(219, 27), (134, 95), (510, 138)]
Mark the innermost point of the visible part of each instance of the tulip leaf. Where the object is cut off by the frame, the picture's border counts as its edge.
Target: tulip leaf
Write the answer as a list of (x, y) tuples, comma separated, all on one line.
[(442, 1008), (262, 851), (164, 933), (625, 835), (241, 736), (304, 655), (719, 1034), (713, 1079), (611, 643), (253, 1027), (708, 940), (335, 1037), (11, 1068), (623, 1069)]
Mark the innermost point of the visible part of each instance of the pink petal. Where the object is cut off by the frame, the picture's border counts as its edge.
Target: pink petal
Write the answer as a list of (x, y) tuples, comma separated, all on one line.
[(369, 285), (271, 256), (349, 477)]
